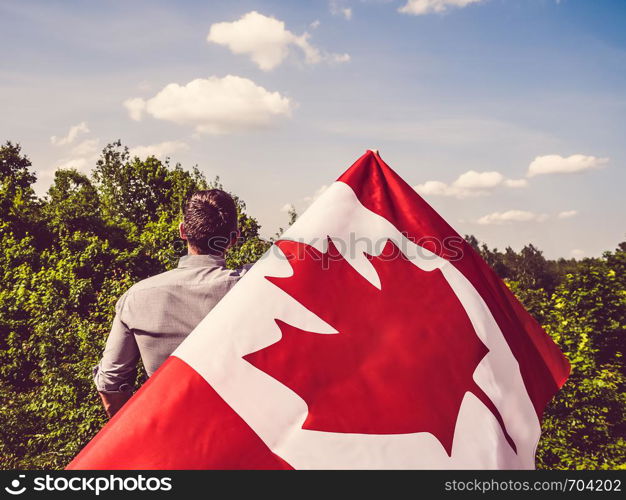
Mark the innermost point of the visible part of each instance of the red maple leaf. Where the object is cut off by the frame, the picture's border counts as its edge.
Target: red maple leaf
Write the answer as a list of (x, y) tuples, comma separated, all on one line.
[(404, 355)]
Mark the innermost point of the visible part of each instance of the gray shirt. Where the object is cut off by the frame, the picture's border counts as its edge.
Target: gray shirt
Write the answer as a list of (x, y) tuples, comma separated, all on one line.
[(157, 314)]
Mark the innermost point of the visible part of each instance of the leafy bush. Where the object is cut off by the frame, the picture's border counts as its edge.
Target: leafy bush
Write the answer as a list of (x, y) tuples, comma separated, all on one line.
[(582, 305)]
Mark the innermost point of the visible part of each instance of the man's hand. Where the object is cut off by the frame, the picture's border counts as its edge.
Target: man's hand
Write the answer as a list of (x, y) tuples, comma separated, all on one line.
[(113, 401)]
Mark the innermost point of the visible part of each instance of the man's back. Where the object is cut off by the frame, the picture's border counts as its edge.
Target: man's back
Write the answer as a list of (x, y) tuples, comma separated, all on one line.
[(155, 315)]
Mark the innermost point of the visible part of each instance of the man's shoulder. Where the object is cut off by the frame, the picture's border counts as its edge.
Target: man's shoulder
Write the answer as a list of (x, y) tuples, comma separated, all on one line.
[(188, 277), (155, 281)]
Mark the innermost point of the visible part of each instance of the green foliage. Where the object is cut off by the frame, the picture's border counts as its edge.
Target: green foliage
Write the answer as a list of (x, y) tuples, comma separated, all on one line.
[(64, 261), (582, 305), (17, 199), (66, 258), (587, 319)]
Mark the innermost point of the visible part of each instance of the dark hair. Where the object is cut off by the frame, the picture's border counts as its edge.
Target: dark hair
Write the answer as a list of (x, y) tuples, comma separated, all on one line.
[(210, 220)]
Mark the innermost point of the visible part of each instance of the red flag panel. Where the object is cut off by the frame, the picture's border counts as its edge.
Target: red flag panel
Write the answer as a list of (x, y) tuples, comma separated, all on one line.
[(176, 421)]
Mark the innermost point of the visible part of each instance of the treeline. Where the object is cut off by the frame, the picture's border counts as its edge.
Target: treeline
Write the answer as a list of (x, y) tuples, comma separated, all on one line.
[(67, 256)]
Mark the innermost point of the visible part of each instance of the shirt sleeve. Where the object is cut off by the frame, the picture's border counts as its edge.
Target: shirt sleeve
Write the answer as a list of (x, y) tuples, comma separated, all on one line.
[(117, 369)]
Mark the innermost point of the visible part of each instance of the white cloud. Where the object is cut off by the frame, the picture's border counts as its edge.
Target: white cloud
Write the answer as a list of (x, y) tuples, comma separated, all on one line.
[(577, 253), (144, 86), (71, 136), (435, 188), (566, 214), (160, 150), (340, 58), (316, 194), (265, 40), (80, 164), (315, 24), (478, 180), (521, 216), (556, 164), (511, 216), (338, 8), (85, 148), (469, 184), (516, 183), (421, 7), (82, 156), (216, 105), (135, 106), (308, 200)]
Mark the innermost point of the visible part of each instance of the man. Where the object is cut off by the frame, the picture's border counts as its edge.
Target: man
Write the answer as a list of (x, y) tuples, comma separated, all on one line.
[(155, 315)]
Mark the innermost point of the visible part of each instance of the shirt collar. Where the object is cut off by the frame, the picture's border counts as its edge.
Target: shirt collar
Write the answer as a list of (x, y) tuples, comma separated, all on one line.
[(201, 261)]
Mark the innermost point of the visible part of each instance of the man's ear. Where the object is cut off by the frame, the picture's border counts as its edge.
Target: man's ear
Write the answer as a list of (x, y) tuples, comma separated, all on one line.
[(181, 231), (234, 238)]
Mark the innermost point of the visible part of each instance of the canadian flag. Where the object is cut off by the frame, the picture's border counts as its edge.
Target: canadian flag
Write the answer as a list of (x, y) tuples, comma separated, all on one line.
[(369, 336)]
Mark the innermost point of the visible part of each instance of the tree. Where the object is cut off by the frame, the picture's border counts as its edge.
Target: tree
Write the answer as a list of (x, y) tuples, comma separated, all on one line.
[(582, 305), (18, 203), (588, 320)]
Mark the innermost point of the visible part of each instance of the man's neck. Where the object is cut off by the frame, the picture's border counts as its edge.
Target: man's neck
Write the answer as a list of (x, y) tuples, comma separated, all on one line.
[(194, 251)]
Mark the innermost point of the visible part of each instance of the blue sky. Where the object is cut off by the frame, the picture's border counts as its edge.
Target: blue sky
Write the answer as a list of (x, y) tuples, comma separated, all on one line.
[(507, 115)]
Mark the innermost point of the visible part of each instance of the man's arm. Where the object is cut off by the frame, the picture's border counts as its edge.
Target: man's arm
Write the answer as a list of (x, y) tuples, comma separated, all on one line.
[(113, 401), (115, 374)]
